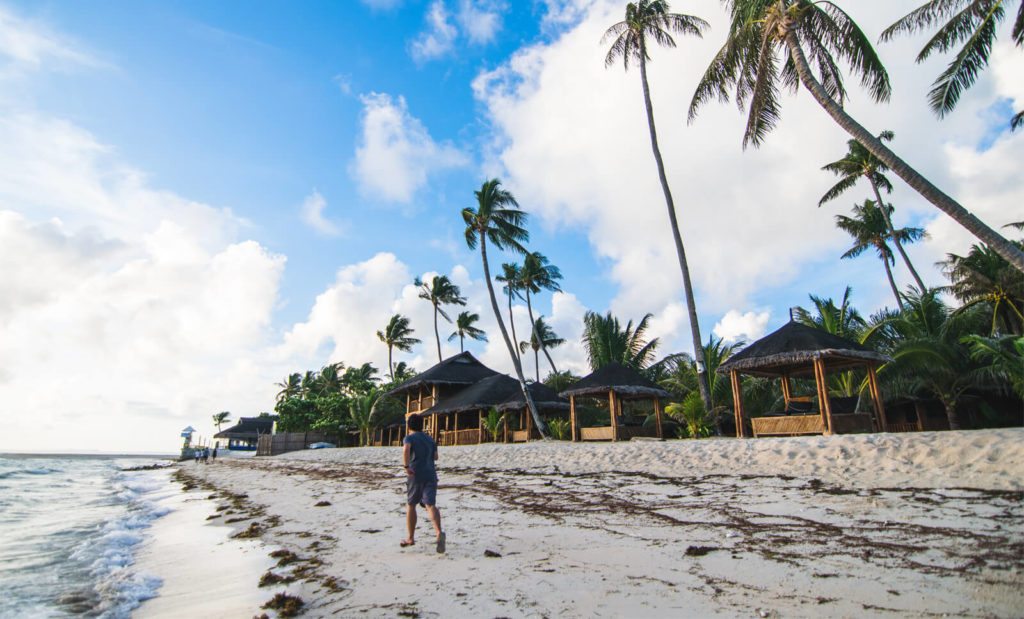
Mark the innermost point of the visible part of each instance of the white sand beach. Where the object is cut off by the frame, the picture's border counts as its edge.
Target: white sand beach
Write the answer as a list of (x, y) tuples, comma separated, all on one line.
[(889, 524)]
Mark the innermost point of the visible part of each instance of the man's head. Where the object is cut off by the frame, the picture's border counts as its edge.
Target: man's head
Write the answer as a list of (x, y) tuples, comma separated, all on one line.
[(416, 423)]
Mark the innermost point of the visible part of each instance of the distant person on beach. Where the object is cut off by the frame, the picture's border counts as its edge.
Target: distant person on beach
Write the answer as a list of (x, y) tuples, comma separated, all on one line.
[(206, 455), (199, 454), (419, 452), (214, 453)]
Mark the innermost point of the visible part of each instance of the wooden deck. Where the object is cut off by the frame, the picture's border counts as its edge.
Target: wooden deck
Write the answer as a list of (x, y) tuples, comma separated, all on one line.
[(605, 433), (451, 438), (795, 425)]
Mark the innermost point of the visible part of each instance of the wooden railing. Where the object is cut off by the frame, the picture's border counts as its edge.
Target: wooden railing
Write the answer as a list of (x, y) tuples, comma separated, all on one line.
[(422, 404), (460, 437), (902, 427)]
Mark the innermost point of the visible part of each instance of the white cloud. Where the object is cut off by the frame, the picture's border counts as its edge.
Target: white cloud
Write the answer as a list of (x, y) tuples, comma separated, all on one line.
[(439, 37), (480, 19), (396, 154), (313, 215), (746, 326), (30, 45)]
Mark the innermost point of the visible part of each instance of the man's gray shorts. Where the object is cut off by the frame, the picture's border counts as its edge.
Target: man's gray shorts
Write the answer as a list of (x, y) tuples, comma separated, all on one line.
[(420, 490)]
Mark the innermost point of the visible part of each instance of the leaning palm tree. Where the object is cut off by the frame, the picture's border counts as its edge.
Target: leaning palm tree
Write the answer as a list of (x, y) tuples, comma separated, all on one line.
[(982, 276), (221, 418), (606, 341), (750, 61), (542, 337), (538, 274), (510, 279), (440, 291), (464, 327), (650, 19), (398, 334), (859, 163), (868, 229), (498, 219), (971, 22)]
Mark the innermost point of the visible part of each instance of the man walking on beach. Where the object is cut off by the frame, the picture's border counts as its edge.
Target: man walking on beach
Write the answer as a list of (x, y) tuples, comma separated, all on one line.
[(419, 452)]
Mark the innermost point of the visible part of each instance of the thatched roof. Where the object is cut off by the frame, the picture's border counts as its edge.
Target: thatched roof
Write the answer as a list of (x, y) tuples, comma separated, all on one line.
[(618, 378), (792, 350), (500, 391), (462, 369), (249, 428)]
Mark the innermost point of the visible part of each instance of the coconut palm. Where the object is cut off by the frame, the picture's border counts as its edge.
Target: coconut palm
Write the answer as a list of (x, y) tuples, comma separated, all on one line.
[(749, 61), (982, 276), (542, 337), (859, 163), (971, 22), (498, 219), (1005, 356), (328, 381), (844, 320), (308, 384), (510, 279), (291, 387), (868, 229), (464, 328), (398, 334), (606, 341), (650, 20), (221, 418), (440, 291), (538, 274), (370, 410)]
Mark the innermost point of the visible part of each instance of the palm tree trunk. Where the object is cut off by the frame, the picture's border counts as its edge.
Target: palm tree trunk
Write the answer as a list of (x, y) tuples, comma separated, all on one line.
[(436, 336), (691, 307), (462, 345), (954, 423), (892, 234), (892, 282), (511, 319), (536, 336), (919, 183), (511, 351), (391, 366)]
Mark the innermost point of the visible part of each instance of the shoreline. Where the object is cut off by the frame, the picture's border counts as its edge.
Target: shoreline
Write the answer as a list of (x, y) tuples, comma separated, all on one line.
[(546, 529)]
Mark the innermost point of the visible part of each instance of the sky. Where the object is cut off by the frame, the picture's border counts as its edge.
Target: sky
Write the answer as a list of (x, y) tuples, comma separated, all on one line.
[(197, 199)]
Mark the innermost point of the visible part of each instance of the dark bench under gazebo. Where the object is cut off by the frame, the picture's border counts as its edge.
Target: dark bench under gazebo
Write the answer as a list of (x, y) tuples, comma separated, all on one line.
[(617, 383), (800, 351)]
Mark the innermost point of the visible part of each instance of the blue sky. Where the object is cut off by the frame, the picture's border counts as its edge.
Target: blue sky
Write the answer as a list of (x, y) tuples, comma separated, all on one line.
[(198, 198)]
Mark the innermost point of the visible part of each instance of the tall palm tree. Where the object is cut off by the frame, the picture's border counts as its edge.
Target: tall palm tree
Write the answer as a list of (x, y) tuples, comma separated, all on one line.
[(860, 163), (440, 291), (543, 336), (398, 334), (308, 385), (510, 279), (291, 387), (498, 219), (982, 276), (868, 229), (651, 19), (750, 61), (538, 274), (606, 341), (328, 381), (221, 418), (971, 22), (464, 328)]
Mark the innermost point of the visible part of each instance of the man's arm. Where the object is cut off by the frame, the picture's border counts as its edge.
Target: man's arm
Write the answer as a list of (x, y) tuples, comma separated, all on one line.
[(406, 455)]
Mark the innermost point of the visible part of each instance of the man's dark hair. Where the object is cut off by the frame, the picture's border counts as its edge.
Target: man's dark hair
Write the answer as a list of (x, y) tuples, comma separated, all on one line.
[(416, 423)]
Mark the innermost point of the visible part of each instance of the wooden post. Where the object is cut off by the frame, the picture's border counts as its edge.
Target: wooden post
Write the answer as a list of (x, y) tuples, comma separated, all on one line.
[(737, 398), (919, 410), (612, 415), (408, 402), (787, 394), (657, 416), (876, 397), (574, 431), (823, 401), (504, 434)]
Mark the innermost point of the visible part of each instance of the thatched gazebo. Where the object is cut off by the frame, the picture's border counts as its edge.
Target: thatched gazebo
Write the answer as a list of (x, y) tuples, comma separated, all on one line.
[(617, 383), (444, 379), (244, 435), (547, 401), (459, 418), (800, 351)]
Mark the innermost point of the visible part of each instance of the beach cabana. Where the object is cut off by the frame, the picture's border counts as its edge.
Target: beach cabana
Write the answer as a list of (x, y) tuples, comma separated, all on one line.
[(548, 403), (245, 435), (459, 418), (427, 388), (617, 383), (800, 351)]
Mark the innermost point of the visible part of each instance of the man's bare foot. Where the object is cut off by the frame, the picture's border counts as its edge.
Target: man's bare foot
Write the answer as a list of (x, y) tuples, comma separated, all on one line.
[(407, 542)]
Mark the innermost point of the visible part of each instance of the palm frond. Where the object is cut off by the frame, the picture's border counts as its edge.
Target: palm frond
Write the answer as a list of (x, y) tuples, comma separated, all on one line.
[(972, 57)]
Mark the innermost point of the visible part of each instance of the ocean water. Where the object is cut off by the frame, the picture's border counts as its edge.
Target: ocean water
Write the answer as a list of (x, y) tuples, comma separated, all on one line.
[(69, 530)]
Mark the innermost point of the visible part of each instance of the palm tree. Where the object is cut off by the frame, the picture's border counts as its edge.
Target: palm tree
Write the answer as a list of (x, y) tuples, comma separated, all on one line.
[(542, 337), (971, 22), (538, 274), (291, 387), (464, 328), (860, 163), (403, 373), (868, 229), (308, 384), (1005, 356), (221, 418), (440, 291), (398, 334), (360, 380), (606, 341), (498, 219), (510, 277), (982, 276), (328, 381), (844, 320), (749, 61), (650, 18), (370, 410)]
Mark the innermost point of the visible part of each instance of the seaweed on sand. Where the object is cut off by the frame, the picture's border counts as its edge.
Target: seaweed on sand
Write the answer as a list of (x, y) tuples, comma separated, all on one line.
[(285, 605)]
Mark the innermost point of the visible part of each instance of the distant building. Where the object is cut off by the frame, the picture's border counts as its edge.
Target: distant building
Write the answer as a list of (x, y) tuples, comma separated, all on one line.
[(245, 435)]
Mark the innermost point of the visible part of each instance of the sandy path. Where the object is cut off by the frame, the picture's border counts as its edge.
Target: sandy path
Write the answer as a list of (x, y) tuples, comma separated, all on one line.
[(582, 541)]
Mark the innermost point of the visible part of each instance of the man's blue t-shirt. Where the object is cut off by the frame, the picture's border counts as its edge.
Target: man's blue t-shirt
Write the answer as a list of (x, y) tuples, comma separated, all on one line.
[(422, 457)]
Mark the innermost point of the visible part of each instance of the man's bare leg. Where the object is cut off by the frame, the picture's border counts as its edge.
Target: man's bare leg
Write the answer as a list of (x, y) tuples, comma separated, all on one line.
[(410, 522), (435, 517)]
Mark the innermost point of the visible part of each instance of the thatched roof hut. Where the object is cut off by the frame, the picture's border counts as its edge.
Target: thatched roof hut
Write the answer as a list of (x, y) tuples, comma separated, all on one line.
[(245, 433), (461, 369), (798, 350), (618, 383), (501, 392)]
